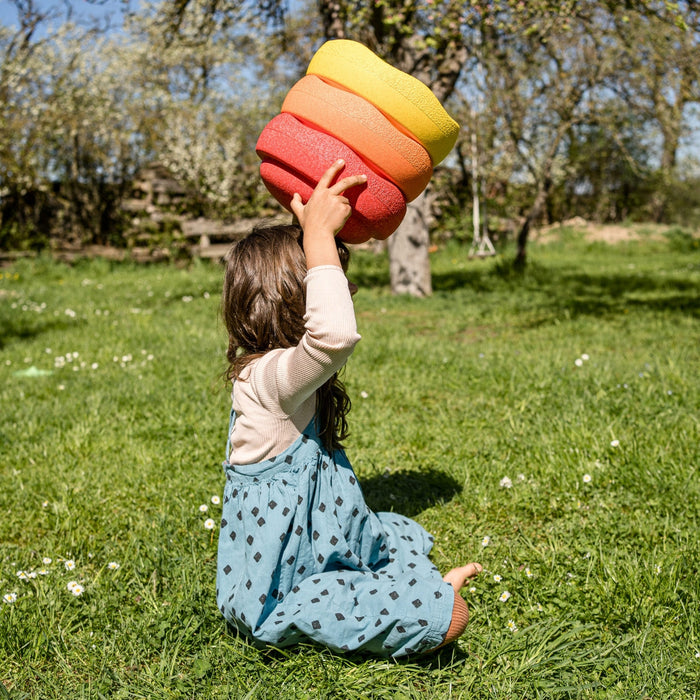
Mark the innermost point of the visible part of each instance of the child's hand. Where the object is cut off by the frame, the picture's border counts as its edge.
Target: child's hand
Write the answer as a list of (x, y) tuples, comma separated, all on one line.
[(462, 574), (327, 209)]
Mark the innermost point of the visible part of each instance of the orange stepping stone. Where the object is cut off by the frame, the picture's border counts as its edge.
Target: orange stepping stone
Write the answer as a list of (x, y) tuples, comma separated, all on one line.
[(361, 126), (295, 156)]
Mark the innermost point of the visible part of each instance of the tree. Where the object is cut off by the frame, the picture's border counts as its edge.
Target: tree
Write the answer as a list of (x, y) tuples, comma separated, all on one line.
[(210, 85), (65, 119), (545, 79), (660, 56), (544, 61), (426, 41), (550, 91)]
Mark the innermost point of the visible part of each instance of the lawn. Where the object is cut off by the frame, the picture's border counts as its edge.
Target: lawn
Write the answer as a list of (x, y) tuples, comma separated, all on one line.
[(544, 424)]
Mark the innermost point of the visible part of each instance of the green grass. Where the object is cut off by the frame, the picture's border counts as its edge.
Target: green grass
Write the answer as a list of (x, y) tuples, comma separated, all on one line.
[(110, 445)]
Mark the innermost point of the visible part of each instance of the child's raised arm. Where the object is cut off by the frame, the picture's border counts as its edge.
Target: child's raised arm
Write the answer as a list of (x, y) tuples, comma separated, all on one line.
[(323, 216)]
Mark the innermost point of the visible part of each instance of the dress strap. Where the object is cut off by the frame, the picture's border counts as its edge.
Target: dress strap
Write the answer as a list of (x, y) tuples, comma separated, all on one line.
[(231, 423)]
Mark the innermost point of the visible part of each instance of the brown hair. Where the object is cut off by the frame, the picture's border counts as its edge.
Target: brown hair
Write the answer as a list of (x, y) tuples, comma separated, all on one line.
[(263, 306)]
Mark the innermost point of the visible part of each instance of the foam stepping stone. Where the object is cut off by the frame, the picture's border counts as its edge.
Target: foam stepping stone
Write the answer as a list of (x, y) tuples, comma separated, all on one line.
[(405, 100), (295, 156), (361, 126)]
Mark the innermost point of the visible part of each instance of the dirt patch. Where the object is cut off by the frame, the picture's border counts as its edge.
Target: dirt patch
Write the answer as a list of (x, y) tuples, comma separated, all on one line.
[(604, 233)]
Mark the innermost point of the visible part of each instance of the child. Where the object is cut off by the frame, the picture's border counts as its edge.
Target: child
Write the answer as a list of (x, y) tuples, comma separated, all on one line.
[(301, 556)]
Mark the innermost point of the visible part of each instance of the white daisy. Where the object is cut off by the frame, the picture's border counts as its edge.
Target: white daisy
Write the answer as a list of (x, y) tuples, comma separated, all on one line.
[(614, 443), (22, 576), (528, 573), (113, 565), (512, 626), (46, 560), (504, 596), (497, 578), (10, 597), (587, 478), (486, 541), (209, 524), (77, 590), (70, 565), (578, 362), (215, 500), (203, 508), (505, 482)]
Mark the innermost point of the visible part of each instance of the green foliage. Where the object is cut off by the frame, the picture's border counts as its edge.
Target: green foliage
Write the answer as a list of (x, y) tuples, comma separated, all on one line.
[(684, 201), (583, 366), (682, 240)]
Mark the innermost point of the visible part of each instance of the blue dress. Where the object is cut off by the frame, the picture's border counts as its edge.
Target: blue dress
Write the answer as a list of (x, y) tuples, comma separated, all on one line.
[(301, 557)]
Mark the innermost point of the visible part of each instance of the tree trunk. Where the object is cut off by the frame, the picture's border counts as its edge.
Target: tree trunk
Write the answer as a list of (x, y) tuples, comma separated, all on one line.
[(533, 214), (409, 264), (670, 132)]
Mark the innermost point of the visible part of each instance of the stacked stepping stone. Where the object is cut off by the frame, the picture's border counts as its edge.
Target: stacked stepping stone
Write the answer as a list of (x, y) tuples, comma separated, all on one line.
[(381, 121)]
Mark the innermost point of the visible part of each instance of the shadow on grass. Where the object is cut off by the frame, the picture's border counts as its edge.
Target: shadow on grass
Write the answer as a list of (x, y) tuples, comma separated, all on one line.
[(409, 492), (22, 329), (554, 288), (557, 289), (441, 658)]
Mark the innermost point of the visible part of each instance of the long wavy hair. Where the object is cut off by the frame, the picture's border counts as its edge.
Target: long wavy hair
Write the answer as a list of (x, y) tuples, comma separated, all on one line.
[(263, 307)]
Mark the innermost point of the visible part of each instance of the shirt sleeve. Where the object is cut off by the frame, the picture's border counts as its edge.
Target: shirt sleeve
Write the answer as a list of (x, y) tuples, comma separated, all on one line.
[(284, 379)]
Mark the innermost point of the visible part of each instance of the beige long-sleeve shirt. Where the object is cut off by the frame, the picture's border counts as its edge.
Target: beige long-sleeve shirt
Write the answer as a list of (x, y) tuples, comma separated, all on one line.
[(275, 396)]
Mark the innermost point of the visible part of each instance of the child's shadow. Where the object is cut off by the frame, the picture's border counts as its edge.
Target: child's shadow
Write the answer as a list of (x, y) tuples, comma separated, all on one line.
[(409, 492), (443, 657)]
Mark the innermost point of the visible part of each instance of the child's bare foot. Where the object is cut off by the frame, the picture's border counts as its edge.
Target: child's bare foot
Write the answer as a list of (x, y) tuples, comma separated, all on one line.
[(459, 576)]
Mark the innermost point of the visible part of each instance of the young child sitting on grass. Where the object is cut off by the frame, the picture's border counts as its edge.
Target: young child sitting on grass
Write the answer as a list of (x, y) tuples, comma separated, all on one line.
[(301, 556)]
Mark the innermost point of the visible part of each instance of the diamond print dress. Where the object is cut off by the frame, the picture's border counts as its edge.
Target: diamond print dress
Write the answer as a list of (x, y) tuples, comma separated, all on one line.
[(301, 557)]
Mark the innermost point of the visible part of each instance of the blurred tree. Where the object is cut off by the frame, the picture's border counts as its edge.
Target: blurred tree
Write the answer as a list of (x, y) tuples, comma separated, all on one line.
[(607, 173), (80, 111), (659, 57), (553, 75), (19, 127), (65, 131), (207, 93), (544, 73)]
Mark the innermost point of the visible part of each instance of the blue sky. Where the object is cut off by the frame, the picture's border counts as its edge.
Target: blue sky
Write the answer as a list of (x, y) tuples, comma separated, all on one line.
[(82, 9)]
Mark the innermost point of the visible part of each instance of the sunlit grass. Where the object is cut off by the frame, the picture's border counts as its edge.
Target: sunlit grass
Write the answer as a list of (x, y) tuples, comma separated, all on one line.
[(545, 425)]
